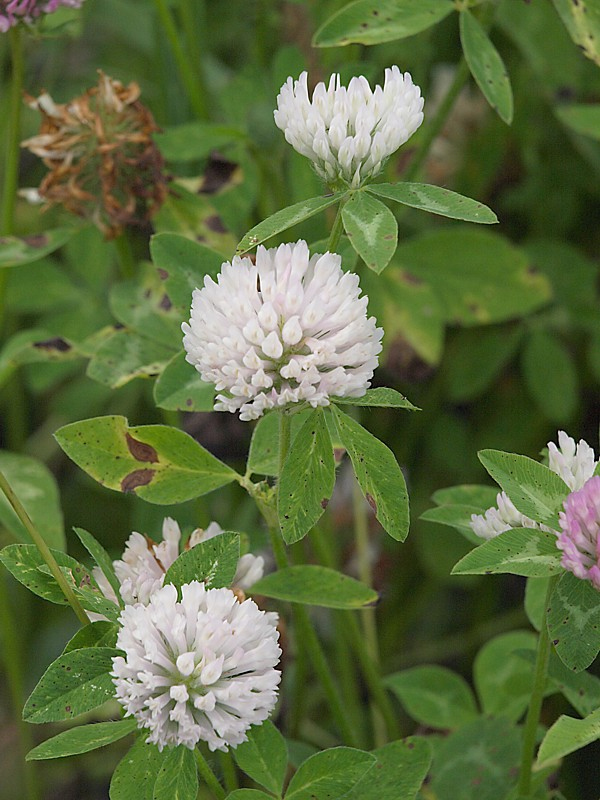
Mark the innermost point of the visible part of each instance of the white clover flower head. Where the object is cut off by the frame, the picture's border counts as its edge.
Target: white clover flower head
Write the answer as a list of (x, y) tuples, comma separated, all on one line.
[(497, 520), (197, 669), (348, 133), (289, 328), (142, 568), (575, 464)]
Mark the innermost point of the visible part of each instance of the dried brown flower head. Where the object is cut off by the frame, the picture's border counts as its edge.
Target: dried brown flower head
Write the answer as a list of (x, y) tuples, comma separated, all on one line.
[(103, 163)]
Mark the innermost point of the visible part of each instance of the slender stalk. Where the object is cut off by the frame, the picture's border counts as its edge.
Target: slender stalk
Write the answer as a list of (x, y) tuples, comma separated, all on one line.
[(368, 615), (11, 168), (535, 702), (191, 84), (125, 255), (12, 657), (230, 777), (45, 551), (369, 669), (434, 128), (208, 776), (336, 230), (11, 158)]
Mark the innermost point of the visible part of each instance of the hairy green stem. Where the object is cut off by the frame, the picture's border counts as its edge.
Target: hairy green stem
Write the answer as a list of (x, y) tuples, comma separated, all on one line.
[(535, 701), (45, 551), (192, 86), (369, 619), (208, 776), (12, 657)]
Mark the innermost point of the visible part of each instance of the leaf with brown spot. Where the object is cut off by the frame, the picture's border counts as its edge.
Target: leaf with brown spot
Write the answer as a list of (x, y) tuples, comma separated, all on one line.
[(140, 450), (140, 477)]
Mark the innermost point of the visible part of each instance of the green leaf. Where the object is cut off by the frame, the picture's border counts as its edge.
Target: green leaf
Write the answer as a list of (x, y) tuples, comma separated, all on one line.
[(582, 19), (177, 778), (136, 773), (557, 397), (76, 682), (503, 679), (101, 557), (263, 458), (307, 478), (519, 551), (264, 757), (314, 585), (434, 696), (101, 633), (284, 219), (436, 200), (574, 622), (192, 215), (371, 228), (479, 761), (535, 601), (36, 488), (93, 600), (124, 356), (82, 739), (566, 736), (183, 264), (378, 474), (180, 388), (160, 464), (583, 118), (24, 563), (581, 689), (468, 494), (369, 22), (473, 290), (486, 66), (377, 398), (401, 769), (194, 140), (330, 774), (249, 794), (15, 250), (214, 562), (535, 490)]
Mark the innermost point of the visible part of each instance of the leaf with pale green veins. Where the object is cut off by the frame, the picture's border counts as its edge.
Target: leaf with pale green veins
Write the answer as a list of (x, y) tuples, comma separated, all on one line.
[(213, 562), (534, 489), (376, 21), (381, 397), (82, 739), (177, 777), (378, 474), (137, 772), (307, 478), (330, 774), (574, 622), (371, 228), (24, 562), (285, 218), (486, 66), (76, 682), (264, 756), (434, 696), (101, 557), (311, 584), (519, 551), (160, 464), (436, 200), (400, 771)]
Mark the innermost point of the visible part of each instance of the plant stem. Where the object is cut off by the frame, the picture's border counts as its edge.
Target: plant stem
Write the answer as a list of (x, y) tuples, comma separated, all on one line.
[(11, 166), (535, 702), (208, 776), (45, 551), (12, 657), (336, 230), (437, 123), (125, 255), (191, 84), (285, 439), (230, 777), (369, 620)]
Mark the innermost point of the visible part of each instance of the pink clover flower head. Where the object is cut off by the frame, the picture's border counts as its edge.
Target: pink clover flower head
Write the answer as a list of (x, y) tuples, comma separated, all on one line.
[(14, 11), (579, 539), (290, 328), (199, 668), (349, 132)]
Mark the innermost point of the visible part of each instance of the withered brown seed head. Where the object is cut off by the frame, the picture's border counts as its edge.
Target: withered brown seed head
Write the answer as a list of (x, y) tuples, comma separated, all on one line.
[(103, 163)]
